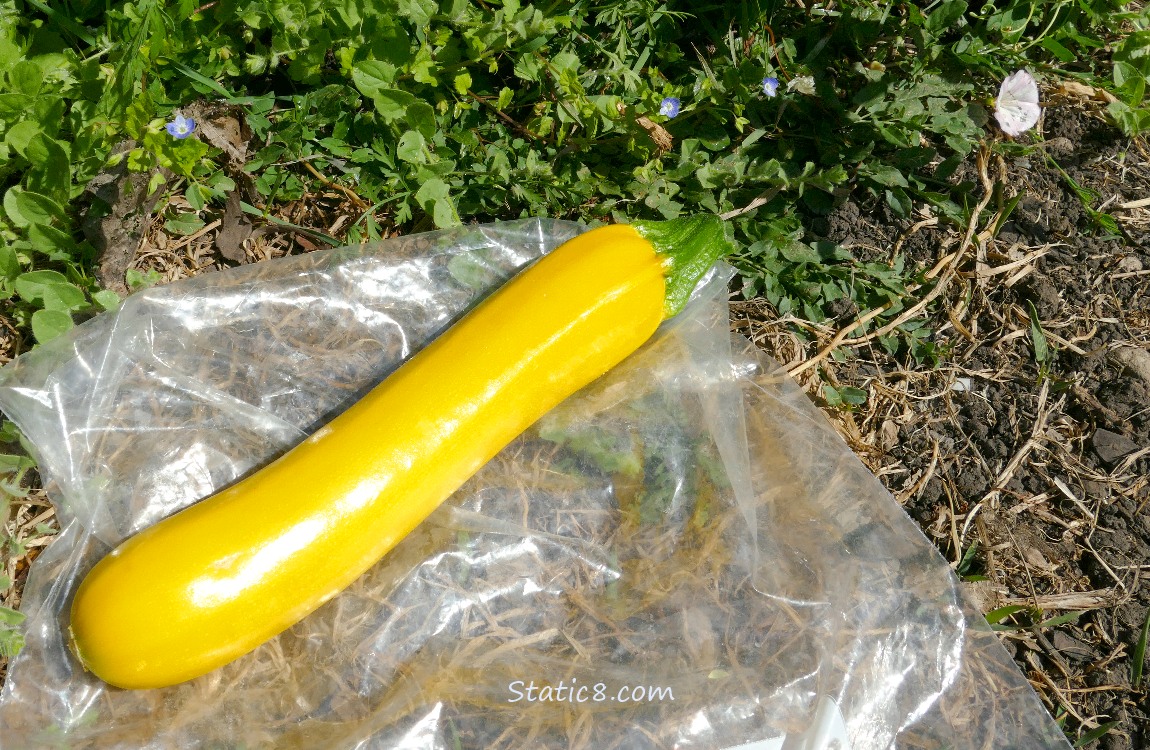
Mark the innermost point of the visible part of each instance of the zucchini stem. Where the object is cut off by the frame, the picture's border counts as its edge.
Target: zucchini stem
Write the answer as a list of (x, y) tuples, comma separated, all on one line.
[(690, 245)]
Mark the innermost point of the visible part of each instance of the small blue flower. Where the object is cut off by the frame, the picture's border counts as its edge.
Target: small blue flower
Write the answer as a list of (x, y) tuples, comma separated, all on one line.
[(181, 127), (771, 86), (669, 107)]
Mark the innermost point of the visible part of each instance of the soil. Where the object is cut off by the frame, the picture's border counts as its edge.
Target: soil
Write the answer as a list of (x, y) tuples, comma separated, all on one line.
[(1032, 477)]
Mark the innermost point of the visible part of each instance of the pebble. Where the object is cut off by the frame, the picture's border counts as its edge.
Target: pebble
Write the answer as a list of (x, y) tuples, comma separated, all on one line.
[(1060, 146), (1071, 648), (1112, 447), (1130, 264), (1133, 358)]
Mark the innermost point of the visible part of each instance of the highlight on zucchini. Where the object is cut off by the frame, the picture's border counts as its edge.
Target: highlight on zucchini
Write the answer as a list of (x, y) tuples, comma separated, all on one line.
[(215, 580)]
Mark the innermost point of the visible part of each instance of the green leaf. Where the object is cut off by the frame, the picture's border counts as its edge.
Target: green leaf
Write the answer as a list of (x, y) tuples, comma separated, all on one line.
[(566, 62), (195, 196), (887, 175), (392, 104), (968, 558), (25, 208), (65, 298), (424, 67), (1058, 50), (845, 395), (65, 21), (1062, 619), (1138, 658), (184, 224), (9, 263), (434, 196), (373, 76), (528, 67), (392, 43), (25, 77), (421, 116), (797, 252), (944, 16), (463, 83), (137, 281), (51, 289), (50, 155), (1132, 122), (52, 174), (1130, 83), (31, 284), (106, 299), (10, 54), (431, 190), (15, 464), (11, 639), (55, 243), (996, 616), (505, 97), (10, 616), (20, 134), (899, 202), (48, 324), (208, 83), (419, 12), (474, 270), (1007, 210), (853, 396), (411, 147), (1097, 733), (445, 214), (1037, 337)]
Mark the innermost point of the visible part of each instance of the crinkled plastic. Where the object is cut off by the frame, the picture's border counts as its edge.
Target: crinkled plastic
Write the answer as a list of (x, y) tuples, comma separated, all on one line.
[(682, 555)]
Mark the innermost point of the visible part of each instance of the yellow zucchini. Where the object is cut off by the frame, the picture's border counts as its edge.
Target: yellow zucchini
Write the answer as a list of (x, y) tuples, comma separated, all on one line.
[(219, 578)]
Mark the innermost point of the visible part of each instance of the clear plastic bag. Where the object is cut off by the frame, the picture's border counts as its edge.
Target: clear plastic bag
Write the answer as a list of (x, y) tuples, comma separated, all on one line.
[(682, 555)]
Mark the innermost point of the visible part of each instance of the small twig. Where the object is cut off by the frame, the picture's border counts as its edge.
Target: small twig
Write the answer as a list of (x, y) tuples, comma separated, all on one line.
[(359, 203), (1006, 268), (931, 222), (1128, 274), (1092, 515), (1104, 564), (193, 237), (1040, 417), (1065, 701), (922, 480), (760, 200), (515, 125)]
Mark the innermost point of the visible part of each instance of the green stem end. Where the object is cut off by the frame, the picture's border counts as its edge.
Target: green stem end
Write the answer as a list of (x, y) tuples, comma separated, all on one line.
[(690, 246)]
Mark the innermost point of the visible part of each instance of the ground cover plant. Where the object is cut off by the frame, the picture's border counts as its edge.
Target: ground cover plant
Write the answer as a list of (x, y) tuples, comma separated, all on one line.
[(888, 230)]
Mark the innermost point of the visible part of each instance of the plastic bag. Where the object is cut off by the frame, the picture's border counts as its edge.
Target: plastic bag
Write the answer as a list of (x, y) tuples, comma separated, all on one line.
[(682, 555)]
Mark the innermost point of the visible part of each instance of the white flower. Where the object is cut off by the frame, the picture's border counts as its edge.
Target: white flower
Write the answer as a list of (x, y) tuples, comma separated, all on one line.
[(802, 84), (1016, 107)]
